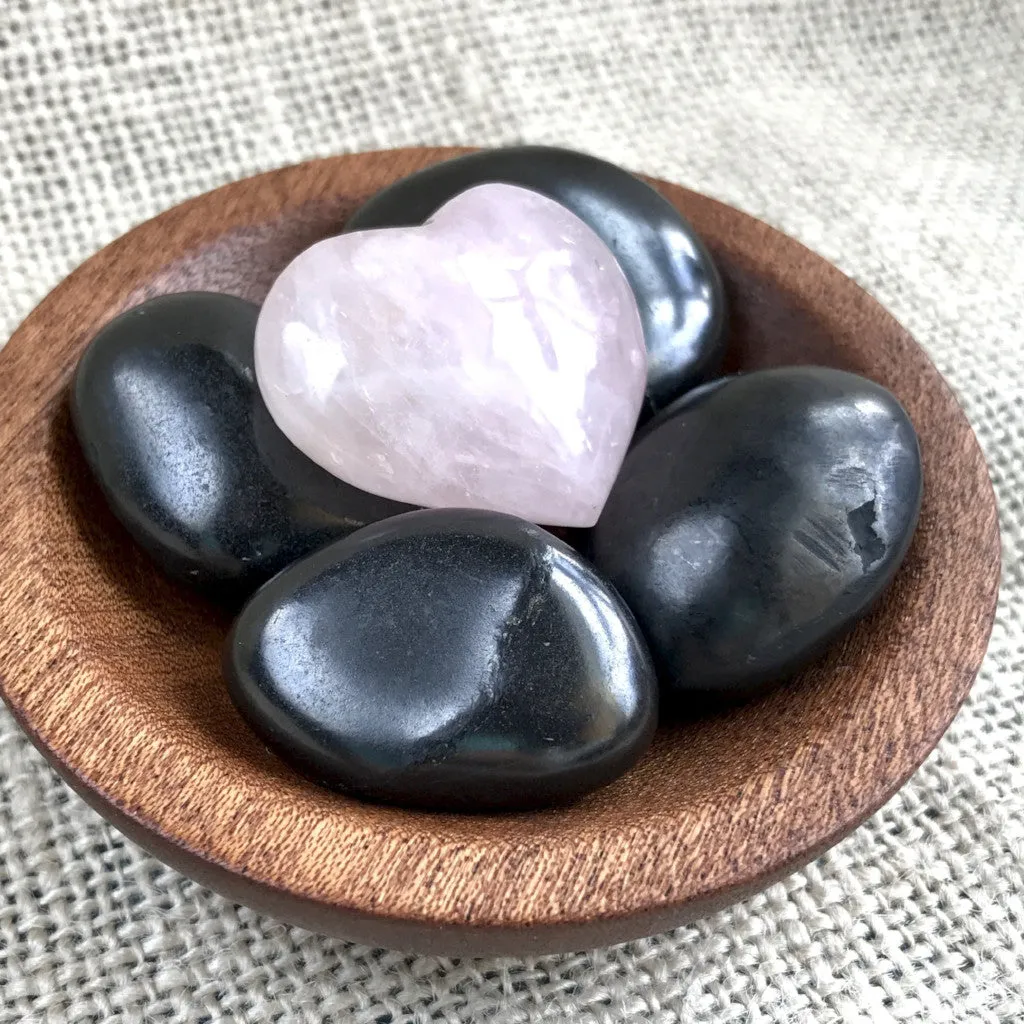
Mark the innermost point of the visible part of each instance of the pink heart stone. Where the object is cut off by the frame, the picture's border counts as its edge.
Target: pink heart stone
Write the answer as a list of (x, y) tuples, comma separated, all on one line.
[(492, 358)]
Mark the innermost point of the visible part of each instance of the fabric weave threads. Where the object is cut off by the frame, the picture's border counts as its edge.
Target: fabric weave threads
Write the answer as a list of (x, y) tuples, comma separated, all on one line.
[(888, 136)]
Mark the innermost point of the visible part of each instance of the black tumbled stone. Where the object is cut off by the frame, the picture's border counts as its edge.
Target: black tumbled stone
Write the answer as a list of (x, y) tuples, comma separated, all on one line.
[(750, 527), (170, 419), (446, 659), (677, 286)]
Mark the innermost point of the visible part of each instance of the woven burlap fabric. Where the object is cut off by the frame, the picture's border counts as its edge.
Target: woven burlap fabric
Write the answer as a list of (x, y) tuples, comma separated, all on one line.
[(889, 136)]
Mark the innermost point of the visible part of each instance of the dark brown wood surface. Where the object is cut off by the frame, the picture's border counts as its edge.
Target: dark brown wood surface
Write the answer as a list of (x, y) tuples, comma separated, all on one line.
[(114, 671)]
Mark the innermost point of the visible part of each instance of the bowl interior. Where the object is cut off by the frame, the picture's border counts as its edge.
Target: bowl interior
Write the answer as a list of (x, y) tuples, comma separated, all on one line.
[(115, 671)]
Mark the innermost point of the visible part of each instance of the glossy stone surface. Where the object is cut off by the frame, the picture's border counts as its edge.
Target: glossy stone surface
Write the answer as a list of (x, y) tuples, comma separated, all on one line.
[(756, 525), (492, 358), (446, 659), (678, 288), (167, 411)]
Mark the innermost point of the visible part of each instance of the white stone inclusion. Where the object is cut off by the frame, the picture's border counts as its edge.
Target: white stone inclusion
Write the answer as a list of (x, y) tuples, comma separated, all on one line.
[(492, 358)]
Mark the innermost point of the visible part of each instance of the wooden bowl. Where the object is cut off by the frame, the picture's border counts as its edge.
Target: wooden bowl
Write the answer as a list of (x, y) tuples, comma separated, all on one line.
[(115, 672)]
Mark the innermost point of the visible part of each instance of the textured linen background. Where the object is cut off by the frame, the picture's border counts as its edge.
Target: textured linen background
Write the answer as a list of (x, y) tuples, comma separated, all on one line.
[(889, 136)]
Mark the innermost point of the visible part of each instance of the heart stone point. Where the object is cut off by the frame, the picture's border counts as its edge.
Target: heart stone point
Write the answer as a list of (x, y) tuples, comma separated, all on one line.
[(490, 358)]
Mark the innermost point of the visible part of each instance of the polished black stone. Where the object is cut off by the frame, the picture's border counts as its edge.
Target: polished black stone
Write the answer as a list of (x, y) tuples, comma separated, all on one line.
[(446, 659), (678, 289), (167, 411), (750, 528)]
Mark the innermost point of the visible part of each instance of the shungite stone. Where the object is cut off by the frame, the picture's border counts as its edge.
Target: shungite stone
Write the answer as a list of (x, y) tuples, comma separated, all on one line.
[(167, 412), (678, 289), (751, 527), (446, 659)]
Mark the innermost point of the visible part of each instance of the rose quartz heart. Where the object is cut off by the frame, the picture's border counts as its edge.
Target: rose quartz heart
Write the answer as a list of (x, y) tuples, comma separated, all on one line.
[(492, 358)]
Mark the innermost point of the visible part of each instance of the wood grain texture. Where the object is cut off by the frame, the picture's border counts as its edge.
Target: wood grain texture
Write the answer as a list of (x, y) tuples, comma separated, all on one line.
[(114, 671)]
